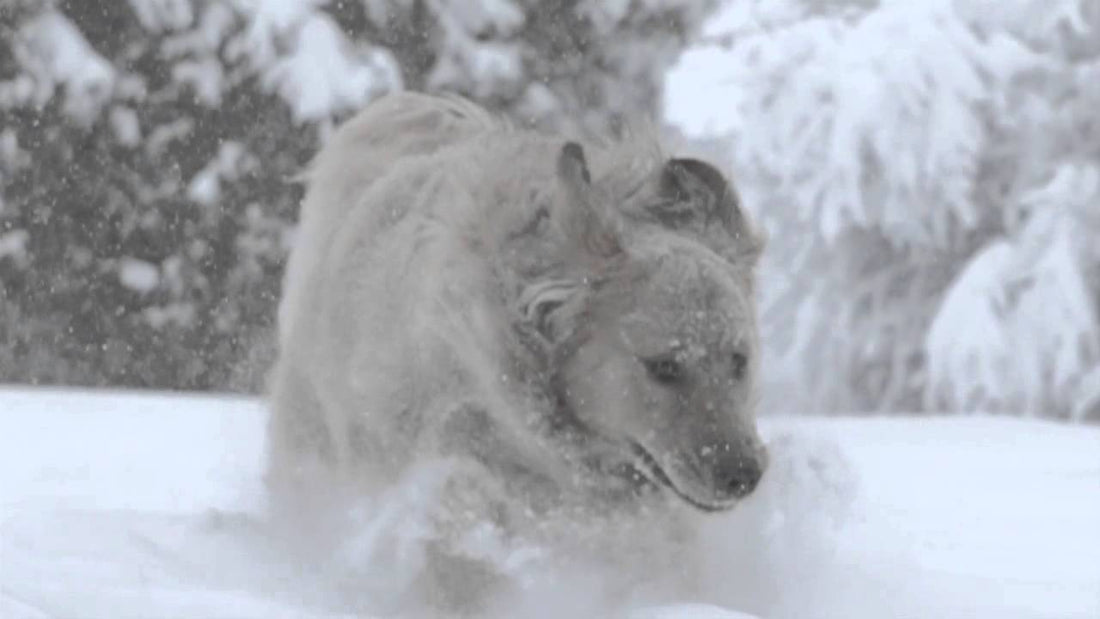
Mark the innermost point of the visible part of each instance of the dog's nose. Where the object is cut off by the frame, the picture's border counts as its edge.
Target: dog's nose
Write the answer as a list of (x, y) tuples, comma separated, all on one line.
[(738, 475)]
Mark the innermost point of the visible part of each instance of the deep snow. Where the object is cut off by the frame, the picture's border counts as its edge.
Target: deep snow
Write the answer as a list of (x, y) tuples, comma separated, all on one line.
[(120, 505)]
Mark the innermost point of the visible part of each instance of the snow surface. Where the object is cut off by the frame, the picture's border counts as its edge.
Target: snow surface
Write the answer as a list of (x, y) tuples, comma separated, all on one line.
[(121, 505)]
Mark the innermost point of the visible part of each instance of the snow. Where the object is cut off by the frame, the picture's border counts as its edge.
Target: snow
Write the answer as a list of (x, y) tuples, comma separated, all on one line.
[(688, 611), (322, 73), (138, 275), (157, 15), (204, 76), (127, 127), (116, 504), (14, 245), (487, 17), (1031, 289), (490, 67), (231, 161), (205, 187), (919, 168), (896, 127), (59, 55), (320, 78)]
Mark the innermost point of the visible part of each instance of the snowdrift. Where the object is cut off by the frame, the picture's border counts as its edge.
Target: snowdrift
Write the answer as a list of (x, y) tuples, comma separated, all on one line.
[(121, 505)]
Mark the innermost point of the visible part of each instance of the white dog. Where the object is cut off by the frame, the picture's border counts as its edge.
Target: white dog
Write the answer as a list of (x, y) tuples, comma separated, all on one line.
[(577, 321)]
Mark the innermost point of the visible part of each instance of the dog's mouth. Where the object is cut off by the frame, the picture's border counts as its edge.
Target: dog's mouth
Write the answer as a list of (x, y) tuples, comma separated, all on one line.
[(651, 470)]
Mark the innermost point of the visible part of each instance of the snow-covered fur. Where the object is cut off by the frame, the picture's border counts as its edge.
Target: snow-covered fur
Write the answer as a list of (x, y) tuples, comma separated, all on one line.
[(575, 318)]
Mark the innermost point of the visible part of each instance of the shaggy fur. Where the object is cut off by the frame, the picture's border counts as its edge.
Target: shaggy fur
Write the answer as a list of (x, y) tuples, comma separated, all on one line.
[(575, 317)]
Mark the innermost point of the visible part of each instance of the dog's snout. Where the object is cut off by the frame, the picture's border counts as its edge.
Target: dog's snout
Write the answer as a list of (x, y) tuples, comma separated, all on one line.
[(740, 475), (736, 473)]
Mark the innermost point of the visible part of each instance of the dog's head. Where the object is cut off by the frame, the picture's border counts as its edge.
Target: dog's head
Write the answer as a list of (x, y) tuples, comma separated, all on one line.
[(648, 316)]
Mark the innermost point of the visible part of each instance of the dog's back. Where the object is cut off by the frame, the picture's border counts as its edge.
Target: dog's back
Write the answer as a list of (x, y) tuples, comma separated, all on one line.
[(391, 130)]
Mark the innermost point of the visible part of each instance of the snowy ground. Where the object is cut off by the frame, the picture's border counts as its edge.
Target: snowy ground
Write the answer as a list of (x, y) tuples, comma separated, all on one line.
[(121, 505)]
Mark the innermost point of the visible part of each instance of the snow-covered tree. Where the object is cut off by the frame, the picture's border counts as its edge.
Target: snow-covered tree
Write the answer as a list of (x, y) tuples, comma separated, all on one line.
[(148, 149), (928, 172)]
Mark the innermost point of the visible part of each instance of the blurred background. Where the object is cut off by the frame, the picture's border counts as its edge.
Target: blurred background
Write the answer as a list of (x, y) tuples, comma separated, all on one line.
[(928, 172)]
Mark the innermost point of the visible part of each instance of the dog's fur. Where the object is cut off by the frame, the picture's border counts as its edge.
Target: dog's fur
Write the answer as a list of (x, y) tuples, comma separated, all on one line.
[(576, 318)]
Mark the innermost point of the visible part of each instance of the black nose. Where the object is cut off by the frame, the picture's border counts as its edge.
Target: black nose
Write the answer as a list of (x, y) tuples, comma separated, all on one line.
[(738, 475)]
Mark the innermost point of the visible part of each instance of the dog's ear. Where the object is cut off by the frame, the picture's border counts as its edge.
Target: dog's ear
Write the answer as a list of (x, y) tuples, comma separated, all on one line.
[(573, 263), (694, 195), (573, 166), (551, 307), (587, 220), (692, 191)]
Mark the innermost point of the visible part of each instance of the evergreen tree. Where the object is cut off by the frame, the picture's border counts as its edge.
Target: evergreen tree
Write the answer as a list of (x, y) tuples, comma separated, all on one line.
[(929, 172)]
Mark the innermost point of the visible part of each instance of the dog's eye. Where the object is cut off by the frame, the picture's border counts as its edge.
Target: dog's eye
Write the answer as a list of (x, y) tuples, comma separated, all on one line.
[(665, 370), (740, 363)]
